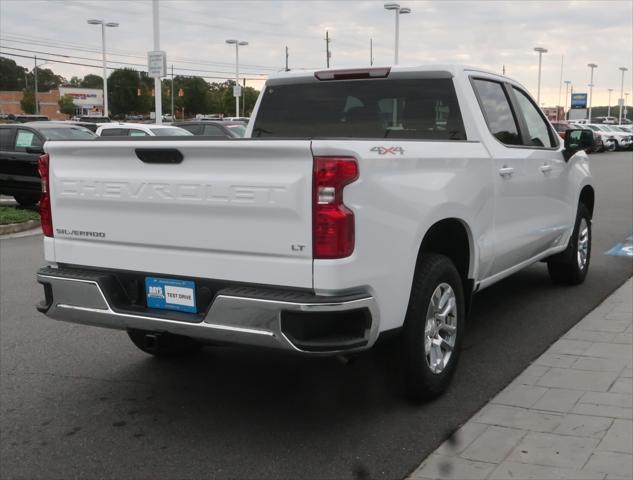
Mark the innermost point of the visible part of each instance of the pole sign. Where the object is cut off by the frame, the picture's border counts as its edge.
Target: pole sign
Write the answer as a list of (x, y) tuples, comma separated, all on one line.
[(237, 90), (156, 64), (578, 100)]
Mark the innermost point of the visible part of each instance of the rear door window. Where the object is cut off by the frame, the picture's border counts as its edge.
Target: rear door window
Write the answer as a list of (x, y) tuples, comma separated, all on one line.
[(423, 109), (213, 131), (6, 139), (137, 133), (496, 109), (114, 132), (25, 139)]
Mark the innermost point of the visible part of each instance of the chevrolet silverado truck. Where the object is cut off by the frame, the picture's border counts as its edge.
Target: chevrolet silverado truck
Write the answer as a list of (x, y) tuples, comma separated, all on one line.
[(362, 202)]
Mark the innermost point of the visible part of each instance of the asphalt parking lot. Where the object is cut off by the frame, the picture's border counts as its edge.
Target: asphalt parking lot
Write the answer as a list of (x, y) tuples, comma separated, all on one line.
[(80, 402)]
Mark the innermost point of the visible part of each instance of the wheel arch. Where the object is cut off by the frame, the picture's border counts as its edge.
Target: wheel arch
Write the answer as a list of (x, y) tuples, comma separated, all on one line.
[(588, 198)]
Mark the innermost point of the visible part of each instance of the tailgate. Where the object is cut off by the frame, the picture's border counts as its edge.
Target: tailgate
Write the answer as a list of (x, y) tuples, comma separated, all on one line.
[(230, 210)]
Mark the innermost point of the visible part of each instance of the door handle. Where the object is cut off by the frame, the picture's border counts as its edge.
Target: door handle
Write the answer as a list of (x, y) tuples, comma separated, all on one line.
[(506, 171), (545, 168)]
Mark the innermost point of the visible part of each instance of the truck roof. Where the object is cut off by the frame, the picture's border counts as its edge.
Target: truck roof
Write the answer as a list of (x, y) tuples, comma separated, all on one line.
[(451, 68)]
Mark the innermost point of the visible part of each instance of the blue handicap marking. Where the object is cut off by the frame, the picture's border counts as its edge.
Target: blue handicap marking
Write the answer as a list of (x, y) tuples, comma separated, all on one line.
[(622, 249)]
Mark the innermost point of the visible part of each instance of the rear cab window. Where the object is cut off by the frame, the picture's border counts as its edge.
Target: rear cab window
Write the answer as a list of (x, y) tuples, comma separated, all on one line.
[(422, 109), (26, 139)]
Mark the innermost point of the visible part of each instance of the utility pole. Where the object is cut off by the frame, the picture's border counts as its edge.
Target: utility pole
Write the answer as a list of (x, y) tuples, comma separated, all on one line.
[(503, 69), (244, 97), (621, 99), (37, 106), (560, 85), (328, 54), (371, 51), (287, 69), (567, 83), (173, 117), (591, 66), (158, 94)]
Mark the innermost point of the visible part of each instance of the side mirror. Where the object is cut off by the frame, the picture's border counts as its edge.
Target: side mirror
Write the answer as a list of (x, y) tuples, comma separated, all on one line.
[(576, 140), (38, 150)]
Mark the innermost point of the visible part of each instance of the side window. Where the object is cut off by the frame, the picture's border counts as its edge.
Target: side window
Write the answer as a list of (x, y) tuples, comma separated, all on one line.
[(536, 125), (6, 135), (137, 133), (25, 139), (213, 131), (113, 132), (496, 108), (195, 129)]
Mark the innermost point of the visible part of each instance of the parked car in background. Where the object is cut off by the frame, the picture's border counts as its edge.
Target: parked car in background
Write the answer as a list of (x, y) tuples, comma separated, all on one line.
[(30, 118), (209, 128), (20, 147), (236, 119), (622, 140), (608, 139), (94, 119), (561, 127), (140, 130), (606, 120)]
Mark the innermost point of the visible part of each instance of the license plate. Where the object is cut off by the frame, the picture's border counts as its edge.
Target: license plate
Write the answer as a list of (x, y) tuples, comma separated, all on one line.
[(170, 294)]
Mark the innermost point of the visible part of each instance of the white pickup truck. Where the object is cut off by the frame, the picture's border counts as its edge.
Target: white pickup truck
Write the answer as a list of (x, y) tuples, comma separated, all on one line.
[(364, 201)]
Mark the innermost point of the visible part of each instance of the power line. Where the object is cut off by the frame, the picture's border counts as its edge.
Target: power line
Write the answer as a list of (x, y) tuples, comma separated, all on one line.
[(109, 68), (41, 41), (122, 63)]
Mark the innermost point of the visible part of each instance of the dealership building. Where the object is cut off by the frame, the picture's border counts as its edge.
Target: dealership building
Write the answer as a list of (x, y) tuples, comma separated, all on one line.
[(88, 101)]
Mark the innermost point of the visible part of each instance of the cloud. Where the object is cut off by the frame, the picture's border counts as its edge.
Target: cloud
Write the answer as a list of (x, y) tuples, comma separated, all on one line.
[(483, 33)]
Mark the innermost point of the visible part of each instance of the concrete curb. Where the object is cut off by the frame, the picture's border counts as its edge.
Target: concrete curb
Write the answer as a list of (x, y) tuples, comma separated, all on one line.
[(18, 227)]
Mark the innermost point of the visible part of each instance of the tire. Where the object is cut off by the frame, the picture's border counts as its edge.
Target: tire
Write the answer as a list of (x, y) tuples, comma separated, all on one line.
[(433, 274), (571, 266), (26, 200), (164, 345)]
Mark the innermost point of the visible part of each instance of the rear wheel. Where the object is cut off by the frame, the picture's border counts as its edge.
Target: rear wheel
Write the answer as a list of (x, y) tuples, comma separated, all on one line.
[(572, 265), (163, 344), (26, 200), (433, 327)]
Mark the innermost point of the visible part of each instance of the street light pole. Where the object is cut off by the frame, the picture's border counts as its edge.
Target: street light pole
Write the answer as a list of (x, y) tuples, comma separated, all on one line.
[(173, 117), (103, 54), (591, 66), (158, 93), (37, 107), (540, 51), (236, 92), (399, 11), (609, 104), (621, 94), (567, 83)]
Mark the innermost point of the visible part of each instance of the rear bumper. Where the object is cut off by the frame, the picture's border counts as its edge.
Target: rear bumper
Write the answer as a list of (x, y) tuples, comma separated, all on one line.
[(282, 319)]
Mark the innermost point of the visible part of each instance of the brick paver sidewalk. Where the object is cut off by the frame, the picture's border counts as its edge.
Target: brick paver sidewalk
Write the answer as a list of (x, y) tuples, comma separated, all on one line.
[(567, 416)]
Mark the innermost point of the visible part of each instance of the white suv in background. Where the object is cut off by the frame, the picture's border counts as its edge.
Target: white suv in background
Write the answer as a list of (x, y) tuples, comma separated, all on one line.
[(140, 130)]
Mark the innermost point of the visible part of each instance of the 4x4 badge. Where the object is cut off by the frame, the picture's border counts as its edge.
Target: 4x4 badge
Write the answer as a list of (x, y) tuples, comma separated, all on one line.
[(388, 150)]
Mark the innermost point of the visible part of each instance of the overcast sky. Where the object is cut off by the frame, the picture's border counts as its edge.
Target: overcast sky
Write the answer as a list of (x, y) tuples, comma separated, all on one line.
[(476, 32)]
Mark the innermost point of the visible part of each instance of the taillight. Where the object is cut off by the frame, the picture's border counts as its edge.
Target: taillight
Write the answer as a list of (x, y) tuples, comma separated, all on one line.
[(332, 221), (46, 216)]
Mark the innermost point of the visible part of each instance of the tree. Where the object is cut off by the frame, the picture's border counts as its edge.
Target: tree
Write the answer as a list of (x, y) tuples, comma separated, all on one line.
[(195, 97), (12, 76), (92, 81), (66, 105), (47, 80), (123, 92), (28, 101), (74, 82)]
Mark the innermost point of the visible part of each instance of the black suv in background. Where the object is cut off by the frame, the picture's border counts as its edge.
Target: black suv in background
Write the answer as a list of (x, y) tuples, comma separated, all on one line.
[(20, 147)]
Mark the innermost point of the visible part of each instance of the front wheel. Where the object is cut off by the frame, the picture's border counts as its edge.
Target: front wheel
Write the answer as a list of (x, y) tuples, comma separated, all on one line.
[(433, 327), (571, 267)]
